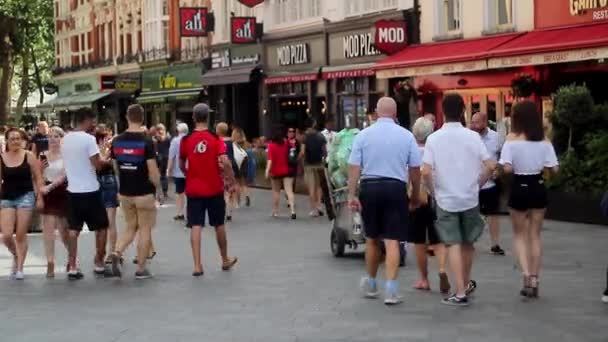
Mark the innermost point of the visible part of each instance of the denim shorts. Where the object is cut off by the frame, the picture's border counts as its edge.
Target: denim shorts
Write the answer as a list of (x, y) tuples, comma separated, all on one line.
[(25, 201), (109, 190)]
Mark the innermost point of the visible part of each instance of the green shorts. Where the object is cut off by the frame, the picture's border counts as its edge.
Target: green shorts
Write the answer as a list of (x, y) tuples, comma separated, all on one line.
[(464, 227)]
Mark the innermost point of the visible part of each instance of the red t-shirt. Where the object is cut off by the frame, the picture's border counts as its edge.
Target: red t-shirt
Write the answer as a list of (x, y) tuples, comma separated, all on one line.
[(278, 155), (201, 150)]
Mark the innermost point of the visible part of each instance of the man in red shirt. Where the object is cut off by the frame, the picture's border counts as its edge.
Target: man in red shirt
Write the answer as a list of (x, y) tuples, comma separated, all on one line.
[(203, 158)]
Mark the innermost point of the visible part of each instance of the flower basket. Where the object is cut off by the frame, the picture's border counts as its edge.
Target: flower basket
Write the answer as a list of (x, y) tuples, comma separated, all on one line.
[(524, 86)]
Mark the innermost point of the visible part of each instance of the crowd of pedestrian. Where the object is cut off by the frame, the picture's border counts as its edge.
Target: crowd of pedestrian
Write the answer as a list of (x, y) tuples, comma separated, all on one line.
[(434, 188)]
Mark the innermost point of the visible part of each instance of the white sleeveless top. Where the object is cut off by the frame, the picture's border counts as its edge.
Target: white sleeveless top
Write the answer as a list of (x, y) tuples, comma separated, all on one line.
[(54, 170), (528, 157)]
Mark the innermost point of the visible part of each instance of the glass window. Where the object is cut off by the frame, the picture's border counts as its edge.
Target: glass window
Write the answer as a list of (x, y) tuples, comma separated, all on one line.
[(451, 15), (504, 12)]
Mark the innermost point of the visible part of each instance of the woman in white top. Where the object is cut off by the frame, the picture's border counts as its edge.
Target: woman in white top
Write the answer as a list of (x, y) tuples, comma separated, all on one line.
[(527, 154), (55, 197)]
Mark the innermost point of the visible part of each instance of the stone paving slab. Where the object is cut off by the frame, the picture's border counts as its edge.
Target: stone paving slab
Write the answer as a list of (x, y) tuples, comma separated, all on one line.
[(288, 287)]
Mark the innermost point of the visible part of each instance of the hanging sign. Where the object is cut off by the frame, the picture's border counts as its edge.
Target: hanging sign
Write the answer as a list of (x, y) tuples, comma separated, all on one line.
[(243, 30), (193, 21), (251, 3), (390, 36)]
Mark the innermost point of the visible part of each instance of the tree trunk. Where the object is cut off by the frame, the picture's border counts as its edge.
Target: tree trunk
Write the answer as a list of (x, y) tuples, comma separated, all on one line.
[(24, 88), (37, 77), (7, 27)]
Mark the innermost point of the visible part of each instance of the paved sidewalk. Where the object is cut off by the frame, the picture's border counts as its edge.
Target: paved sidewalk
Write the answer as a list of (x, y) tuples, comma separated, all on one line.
[(288, 287)]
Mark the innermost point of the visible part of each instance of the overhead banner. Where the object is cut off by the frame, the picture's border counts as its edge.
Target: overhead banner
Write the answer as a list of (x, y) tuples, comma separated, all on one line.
[(390, 36), (251, 3), (193, 21), (243, 30)]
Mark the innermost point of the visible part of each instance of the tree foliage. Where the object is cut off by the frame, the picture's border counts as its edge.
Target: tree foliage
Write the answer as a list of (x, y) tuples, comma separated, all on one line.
[(580, 135), (32, 46)]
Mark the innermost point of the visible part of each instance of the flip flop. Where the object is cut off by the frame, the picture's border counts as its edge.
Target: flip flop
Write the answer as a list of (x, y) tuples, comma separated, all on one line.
[(419, 285), (230, 264)]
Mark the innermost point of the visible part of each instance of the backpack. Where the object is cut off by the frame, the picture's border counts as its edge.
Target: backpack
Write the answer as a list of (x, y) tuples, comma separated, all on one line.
[(292, 153)]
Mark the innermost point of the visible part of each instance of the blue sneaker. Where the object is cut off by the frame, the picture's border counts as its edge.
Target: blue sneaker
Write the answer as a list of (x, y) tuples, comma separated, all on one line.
[(368, 289)]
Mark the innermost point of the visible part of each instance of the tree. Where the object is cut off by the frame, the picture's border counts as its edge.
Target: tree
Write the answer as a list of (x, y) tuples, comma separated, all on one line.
[(26, 30)]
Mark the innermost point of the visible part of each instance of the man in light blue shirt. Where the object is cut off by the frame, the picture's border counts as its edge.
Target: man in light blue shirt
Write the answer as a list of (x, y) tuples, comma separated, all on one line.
[(175, 172), (384, 156)]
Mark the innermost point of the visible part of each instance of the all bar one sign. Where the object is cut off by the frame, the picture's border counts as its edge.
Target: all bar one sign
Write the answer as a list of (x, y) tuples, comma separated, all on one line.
[(243, 30), (193, 21)]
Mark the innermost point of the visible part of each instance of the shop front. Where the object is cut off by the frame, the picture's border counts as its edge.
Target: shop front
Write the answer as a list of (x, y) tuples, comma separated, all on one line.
[(74, 94), (351, 81), (124, 88), (234, 85), (168, 93), (293, 89)]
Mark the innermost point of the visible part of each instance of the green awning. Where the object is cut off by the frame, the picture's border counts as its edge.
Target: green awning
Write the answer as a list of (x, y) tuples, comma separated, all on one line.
[(169, 96), (73, 102)]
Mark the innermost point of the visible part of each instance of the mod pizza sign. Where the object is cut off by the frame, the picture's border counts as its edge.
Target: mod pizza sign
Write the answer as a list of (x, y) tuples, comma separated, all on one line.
[(390, 36), (193, 21), (251, 3)]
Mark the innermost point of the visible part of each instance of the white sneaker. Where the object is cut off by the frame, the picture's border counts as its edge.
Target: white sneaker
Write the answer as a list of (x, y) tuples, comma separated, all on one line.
[(368, 290), (393, 298), (605, 298), (19, 275), (314, 213)]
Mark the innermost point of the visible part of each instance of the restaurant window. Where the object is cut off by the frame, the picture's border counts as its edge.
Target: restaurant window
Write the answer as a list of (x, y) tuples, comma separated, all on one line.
[(499, 14), (450, 16), (358, 7)]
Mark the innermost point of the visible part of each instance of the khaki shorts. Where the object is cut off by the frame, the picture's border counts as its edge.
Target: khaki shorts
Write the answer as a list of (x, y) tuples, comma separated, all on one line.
[(312, 175), (464, 227), (139, 211)]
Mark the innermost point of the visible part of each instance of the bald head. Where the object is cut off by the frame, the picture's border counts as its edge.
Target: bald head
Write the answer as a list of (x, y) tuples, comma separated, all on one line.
[(479, 122), (386, 108)]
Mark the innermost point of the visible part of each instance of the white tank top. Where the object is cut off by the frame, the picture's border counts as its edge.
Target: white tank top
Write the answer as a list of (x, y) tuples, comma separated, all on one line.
[(54, 170)]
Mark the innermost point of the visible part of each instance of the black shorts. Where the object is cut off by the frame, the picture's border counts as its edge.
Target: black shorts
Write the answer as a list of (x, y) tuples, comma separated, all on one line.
[(489, 201), (180, 185), (384, 205), (214, 207), (86, 208), (528, 192), (422, 226)]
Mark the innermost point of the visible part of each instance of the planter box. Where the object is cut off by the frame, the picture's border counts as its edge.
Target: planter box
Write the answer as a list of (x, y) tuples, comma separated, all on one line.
[(575, 207)]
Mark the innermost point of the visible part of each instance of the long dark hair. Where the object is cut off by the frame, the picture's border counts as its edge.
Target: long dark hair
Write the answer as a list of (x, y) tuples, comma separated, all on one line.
[(527, 120), (278, 134)]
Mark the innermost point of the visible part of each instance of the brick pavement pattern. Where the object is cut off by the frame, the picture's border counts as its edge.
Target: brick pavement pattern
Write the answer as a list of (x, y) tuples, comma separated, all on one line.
[(288, 287)]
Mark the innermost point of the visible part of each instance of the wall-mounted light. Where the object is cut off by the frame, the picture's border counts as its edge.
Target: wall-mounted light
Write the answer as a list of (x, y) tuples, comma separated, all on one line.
[(264, 111)]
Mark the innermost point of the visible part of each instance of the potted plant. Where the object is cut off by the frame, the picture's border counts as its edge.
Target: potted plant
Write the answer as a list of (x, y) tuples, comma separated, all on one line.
[(580, 136), (524, 85)]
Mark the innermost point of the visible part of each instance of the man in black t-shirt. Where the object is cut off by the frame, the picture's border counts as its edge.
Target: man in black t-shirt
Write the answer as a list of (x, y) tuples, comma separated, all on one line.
[(314, 150), (163, 141), (139, 177), (40, 140)]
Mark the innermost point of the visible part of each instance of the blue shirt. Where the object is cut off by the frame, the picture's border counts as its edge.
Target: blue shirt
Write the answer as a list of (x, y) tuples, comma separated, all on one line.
[(385, 150), (174, 155)]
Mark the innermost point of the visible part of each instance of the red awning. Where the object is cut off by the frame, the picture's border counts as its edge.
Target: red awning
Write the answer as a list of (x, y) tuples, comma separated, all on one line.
[(549, 46), (551, 40), (444, 52)]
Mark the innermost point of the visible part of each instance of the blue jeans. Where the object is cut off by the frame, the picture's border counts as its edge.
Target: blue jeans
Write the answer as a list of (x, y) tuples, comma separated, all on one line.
[(25, 201), (109, 190)]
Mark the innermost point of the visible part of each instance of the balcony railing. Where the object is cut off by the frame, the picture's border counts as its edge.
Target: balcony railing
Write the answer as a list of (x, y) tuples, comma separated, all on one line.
[(186, 54)]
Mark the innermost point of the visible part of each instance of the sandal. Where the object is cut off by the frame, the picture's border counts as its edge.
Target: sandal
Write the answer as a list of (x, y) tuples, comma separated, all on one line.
[(534, 286), (50, 270), (422, 285), (444, 283), (227, 266)]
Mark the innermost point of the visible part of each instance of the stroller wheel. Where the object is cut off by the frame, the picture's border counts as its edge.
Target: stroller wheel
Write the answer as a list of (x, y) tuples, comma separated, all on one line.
[(338, 242)]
